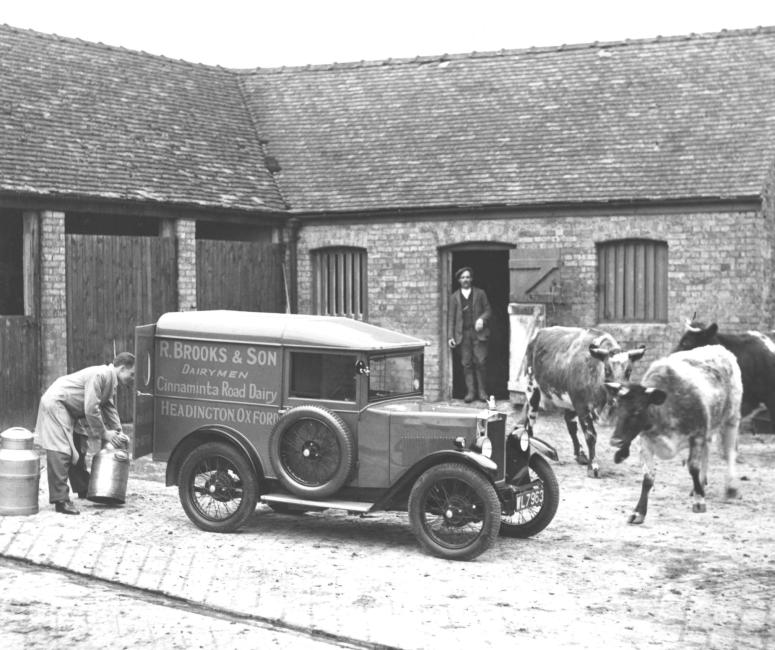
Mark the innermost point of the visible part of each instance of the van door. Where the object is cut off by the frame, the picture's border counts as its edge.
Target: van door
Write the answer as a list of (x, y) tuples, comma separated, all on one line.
[(142, 440)]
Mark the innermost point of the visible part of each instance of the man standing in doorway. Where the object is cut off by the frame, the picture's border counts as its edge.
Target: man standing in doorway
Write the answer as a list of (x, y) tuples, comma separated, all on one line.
[(469, 317)]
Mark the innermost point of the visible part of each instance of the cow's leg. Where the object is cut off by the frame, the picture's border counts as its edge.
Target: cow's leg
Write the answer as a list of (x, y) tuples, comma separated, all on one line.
[(728, 440), (573, 428), (698, 463), (638, 515), (530, 410), (590, 435)]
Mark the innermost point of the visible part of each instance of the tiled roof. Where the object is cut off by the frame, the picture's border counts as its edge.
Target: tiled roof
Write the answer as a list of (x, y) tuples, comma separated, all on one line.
[(660, 119), (88, 120), (673, 118)]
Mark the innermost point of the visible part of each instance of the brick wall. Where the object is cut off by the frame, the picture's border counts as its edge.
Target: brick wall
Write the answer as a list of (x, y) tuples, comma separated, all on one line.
[(185, 232), (53, 297), (719, 265)]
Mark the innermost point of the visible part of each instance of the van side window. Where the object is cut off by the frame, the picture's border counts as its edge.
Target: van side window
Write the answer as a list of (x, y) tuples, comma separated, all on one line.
[(323, 376)]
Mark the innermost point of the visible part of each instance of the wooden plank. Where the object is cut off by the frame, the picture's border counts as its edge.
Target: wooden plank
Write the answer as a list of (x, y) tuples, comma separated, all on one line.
[(113, 284)]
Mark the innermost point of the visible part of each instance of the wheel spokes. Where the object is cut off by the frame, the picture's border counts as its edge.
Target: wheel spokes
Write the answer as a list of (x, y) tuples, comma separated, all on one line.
[(453, 513), (217, 488), (310, 452)]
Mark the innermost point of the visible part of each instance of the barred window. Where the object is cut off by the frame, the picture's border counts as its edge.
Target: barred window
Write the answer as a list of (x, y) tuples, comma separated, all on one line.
[(340, 282), (632, 281)]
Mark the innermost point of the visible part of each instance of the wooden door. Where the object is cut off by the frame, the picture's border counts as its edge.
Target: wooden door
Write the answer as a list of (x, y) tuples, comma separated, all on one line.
[(115, 283)]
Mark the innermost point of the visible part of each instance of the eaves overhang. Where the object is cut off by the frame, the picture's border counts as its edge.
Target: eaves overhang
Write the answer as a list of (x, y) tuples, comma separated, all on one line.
[(745, 202), (53, 201)]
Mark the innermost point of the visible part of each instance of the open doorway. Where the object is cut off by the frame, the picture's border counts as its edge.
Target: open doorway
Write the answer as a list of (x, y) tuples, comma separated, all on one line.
[(491, 273)]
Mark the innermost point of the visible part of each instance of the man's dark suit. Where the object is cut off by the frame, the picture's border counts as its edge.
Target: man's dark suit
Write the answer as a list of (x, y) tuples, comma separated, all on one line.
[(472, 344)]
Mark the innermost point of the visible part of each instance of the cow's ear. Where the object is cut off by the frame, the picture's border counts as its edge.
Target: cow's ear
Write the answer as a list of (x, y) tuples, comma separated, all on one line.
[(655, 395), (711, 331), (637, 354), (598, 353)]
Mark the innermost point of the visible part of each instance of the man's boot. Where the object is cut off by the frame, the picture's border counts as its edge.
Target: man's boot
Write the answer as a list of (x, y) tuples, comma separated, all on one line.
[(469, 377), (480, 381)]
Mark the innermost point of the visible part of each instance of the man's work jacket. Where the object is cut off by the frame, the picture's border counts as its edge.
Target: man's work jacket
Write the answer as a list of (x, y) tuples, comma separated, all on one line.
[(481, 309), (88, 394)]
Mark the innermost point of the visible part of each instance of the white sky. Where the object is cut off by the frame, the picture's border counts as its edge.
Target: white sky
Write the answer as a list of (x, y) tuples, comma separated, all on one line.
[(269, 33)]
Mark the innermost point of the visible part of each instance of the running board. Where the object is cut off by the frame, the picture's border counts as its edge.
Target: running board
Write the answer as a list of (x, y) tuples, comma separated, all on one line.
[(286, 499)]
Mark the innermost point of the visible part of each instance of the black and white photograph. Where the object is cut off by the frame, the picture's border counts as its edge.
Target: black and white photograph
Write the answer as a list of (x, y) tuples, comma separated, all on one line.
[(429, 325)]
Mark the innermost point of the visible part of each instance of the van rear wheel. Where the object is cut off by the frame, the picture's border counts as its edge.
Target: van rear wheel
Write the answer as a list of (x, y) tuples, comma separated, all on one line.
[(217, 487)]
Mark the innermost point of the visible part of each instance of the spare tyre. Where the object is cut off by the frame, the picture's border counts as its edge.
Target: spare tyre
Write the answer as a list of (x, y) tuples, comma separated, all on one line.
[(312, 451)]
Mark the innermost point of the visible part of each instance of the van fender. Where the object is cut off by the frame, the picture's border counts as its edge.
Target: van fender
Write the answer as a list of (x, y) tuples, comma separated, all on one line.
[(210, 433), (405, 482), (544, 448)]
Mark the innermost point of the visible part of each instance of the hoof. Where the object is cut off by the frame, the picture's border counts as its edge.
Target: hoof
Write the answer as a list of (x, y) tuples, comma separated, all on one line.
[(581, 458), (733, 493), (593, 471), (699, 507), (636, 518)]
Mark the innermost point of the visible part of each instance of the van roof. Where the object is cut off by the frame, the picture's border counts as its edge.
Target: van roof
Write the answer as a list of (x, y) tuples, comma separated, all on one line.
[(302, 330)]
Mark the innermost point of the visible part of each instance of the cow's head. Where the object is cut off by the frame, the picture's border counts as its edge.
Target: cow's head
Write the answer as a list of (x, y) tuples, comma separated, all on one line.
[(632, 413), (617, 365), (697, 335)]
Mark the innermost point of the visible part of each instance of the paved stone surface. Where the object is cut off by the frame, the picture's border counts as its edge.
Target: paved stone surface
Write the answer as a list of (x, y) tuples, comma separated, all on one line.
[(46, 608), (681, 580)]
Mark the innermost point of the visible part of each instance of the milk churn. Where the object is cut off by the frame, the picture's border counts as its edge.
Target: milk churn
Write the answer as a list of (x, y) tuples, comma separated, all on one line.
[(109, 476), (19, 472)]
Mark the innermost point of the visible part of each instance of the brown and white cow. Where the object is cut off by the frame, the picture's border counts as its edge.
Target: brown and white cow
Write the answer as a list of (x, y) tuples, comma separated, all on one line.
[(681, 402), (570, 365)]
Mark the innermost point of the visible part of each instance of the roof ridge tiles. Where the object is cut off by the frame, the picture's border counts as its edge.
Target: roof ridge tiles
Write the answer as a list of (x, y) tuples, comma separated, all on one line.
[(530, 50), (416, 60), (106, 46)]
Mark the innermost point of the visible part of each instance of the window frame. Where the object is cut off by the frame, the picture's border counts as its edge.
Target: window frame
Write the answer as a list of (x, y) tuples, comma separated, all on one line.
[(340, 282), (632, 281)]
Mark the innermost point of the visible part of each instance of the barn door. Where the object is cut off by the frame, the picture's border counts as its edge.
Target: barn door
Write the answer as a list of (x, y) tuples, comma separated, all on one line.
[(115, 283), (242, 275), (533, 274)]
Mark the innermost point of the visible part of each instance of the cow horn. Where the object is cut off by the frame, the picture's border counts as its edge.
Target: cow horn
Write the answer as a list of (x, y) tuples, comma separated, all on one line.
[(690, 327), (624, 390)]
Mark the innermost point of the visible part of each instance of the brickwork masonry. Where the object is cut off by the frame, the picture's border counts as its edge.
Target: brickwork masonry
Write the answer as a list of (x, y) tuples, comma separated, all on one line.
[(53, 297), (719, 266)]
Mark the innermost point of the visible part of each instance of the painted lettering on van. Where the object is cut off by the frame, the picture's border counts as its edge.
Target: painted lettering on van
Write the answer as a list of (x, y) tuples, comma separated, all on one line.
[(192, 351), (188, 369), (216, 413)]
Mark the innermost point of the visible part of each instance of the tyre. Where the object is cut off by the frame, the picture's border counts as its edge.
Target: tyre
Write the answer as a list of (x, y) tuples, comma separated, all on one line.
[(312, 452), (536, 507), (454, 512), (217, 487)]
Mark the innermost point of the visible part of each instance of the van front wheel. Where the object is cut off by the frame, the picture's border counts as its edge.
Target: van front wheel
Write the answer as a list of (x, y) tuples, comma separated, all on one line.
[(217, 487)]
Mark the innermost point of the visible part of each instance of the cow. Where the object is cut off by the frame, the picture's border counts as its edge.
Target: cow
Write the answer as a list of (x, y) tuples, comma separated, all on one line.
[(755, 355), (570, 365), (682, 401)]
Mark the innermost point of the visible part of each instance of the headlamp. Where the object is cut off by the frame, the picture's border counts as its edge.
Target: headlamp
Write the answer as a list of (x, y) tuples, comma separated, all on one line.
[(484, 445)]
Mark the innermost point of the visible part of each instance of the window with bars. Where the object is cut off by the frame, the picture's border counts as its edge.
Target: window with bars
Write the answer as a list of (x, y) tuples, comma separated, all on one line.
[(340, 284), (632, 281)]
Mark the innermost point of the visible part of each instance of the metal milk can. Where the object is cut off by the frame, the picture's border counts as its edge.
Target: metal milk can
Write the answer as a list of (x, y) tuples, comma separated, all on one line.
[(19, 472), (109, 476)]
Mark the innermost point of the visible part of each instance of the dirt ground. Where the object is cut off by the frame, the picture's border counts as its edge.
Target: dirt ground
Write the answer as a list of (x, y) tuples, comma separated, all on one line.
[(681, 580)]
